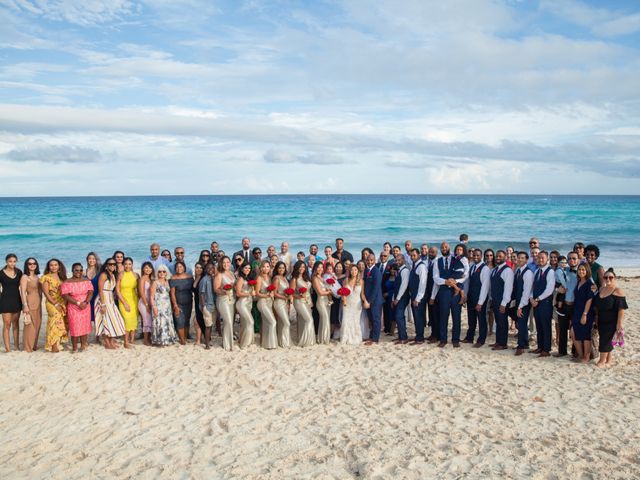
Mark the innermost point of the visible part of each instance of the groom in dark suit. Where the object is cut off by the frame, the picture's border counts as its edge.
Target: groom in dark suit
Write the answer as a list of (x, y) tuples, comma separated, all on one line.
[(373, 297)]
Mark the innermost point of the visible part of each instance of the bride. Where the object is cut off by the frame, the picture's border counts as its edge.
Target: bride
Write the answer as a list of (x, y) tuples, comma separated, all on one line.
[(351, 331)]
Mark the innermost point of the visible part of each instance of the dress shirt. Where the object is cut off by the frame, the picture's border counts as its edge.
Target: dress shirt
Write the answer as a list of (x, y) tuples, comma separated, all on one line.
[(404, 281), (485, 281), (527, 288), (551, 283), (507, 277)]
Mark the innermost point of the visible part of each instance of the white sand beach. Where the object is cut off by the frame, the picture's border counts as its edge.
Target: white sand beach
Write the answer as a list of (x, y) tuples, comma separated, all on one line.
[(384, 411)]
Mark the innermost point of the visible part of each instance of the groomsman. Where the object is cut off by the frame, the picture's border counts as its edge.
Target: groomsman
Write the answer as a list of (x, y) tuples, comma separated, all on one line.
[(385, 270), (541, 301), (401, 297), (246, 250), (285, 256), (476, 290), (432, 308), (501, 288), (568, 286), (373, 298), (447, 272), (418, 294), (522, 284), (424, 252)]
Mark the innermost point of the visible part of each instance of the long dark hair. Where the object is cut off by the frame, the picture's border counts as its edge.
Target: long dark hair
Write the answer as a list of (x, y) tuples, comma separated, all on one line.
[(275, 269), (296, 269), (152, 276), (62, 271), (104, 269), (26, 266)]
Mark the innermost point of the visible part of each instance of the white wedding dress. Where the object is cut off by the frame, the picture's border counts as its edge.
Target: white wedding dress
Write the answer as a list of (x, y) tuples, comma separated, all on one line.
[(350, 330)]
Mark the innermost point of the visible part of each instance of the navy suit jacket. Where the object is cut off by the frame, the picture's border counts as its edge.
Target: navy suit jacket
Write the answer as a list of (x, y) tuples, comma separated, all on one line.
[(373, 285)]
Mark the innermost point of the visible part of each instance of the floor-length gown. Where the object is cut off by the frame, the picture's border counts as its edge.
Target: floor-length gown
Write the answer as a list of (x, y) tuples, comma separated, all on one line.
[(324, 312), (225, 305), (109, 323), (351, 329), (147, 319), (281, 308), (129, 290), (163, 331), (243, 307), (79, 321), (269, 338), (306, 332), (57, 327), (34, 302)]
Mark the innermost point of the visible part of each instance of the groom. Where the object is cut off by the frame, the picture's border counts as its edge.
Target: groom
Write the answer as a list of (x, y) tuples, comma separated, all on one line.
[(373, 297)]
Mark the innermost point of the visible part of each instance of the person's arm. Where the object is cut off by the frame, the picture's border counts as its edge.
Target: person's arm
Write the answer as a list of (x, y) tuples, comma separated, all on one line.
[(217, 285), (404, 284), (275, 281), (436, 275), (507, 277), (527, 289), (121, 298), (363, 299), (619, 293), (422, 285), (238, 288), (585, 312), (152, 294), (24, 281), (259, 281), (485, 281), (174, 302), (101, 296), (551, 285), (317, 286)]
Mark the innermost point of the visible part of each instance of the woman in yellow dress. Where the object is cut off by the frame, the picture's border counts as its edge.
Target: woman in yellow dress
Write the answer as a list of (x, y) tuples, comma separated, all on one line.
[(54, 275), (127, 292)]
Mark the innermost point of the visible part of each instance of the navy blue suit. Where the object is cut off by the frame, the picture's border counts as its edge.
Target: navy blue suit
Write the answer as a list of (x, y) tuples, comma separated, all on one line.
[(432, 310), (544, 311), (447, 301), (373, 294)]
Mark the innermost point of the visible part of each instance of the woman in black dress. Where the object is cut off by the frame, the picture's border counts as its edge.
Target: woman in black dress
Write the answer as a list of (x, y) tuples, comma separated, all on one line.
[(611, 304), (10, 301)]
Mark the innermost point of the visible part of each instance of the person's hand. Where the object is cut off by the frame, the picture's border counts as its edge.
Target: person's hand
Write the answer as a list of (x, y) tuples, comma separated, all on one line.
[(562, 290), (59, 307), (155, 311), (478, 308), (177, 310), (503, 309), (126, 307), (415, 303), (534, 303), (25, 310), (82, 305), (462, 299), (366, 305), (432, 301), (394, 303), (583, 320), (594, 289)]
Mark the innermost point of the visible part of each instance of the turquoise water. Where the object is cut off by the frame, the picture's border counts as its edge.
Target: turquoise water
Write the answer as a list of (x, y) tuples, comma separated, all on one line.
[(69, 227)]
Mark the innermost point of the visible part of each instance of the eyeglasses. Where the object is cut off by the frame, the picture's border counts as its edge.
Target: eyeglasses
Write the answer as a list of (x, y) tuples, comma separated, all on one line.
[(31, 263), (257, 253), (533, 243), (179, 253), (111, 264), (78, 269), (206, 255), (609, 277)]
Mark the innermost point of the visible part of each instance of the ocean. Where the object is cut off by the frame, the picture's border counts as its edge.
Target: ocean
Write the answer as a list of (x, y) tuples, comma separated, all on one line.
[(69, 227)]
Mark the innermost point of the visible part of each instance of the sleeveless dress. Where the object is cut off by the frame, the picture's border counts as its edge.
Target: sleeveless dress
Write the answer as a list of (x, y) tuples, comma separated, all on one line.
[(184, 299), (163, 332), (225, 304), (10, 301), (109, 323), (324, 324), (129, 290), (56, 320), (243, 307), (351, 330), (147, 318), (269, 332), (281, 308), (34, 302), (79, 320), (306, 332), (582, 295), (608, 308)]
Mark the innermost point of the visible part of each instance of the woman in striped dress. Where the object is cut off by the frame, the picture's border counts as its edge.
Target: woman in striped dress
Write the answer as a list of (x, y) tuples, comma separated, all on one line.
[(109, 322)]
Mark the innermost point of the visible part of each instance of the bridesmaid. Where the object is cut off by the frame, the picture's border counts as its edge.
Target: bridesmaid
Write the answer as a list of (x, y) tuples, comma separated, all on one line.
[(109, 322), (265, 306), (10, 301), (225, 300), (54, 275), (323, 292), (302, 304), (92, 273), (144, 301), (31, 292), (582, 321), (77, 292), (119, 256), (181, 299), (198, 270), (611, 304), (281, 304), (127, 293), (244, 294), (163, 332)]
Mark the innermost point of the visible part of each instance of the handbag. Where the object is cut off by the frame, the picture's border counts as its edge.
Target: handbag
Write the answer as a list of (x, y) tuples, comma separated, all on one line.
[(618, 339)]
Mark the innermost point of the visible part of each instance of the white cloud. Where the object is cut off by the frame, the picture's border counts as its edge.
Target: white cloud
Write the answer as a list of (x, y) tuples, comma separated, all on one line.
[(80, 12)]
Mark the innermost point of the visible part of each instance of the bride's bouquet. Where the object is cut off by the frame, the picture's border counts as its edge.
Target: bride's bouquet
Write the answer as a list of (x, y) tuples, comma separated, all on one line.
[(344, 292)]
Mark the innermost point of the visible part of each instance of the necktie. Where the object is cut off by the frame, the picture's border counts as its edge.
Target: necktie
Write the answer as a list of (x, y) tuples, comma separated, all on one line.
[(246, 256), (473, 269), (446, 263)]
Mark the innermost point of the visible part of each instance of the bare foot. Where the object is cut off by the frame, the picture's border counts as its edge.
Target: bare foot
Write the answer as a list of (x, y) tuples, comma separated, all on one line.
[(584, 360), (601, 364), (128, 345)]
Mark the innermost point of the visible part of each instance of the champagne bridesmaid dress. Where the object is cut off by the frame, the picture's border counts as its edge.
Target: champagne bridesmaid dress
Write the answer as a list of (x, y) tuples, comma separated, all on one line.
[(306, 332), (269, 333), (243, 307), (324, 324), (225, 304), (282, 313)]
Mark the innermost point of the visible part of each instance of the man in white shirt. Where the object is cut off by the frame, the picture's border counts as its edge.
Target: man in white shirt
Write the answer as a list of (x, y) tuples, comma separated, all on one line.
[(418, 293), (541, 300), (522, 284), (476, 291), (401, 296), (285, 256), (501, 288), (245, 253)]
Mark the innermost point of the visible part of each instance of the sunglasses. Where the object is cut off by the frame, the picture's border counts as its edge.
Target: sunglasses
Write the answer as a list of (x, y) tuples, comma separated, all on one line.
[(205, 255), (78, 269), (31, 263), (111, 264), (609, 277)]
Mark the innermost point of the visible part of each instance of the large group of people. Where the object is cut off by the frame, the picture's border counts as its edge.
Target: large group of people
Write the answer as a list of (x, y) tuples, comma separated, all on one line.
[(331, 297)]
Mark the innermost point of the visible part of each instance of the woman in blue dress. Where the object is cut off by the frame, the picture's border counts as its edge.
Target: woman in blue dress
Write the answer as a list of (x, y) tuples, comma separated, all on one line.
[(582, 321)]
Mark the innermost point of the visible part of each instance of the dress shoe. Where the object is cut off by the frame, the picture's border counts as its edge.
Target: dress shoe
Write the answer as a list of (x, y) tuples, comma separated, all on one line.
[(493, 345), (499, 347), (519, 352), (478, 345), (417, 342), (466, 341), (559, 355), (441, 344), (536, 351), (402, 342), (456, 344), (432, 340), (543, 354)]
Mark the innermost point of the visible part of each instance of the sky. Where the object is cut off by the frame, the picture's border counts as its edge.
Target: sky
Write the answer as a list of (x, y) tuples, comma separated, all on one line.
[(126, 97)]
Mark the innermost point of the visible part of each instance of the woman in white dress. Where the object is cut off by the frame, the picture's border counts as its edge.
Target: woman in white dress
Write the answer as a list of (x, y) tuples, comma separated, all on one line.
[(323, 291), (269, 337), (364, 318), (225, 300), (302, 304), (281, 304), (351, 330)]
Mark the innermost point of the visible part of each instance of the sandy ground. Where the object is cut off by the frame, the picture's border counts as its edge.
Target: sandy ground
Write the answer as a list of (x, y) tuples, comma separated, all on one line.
[(326, 411)]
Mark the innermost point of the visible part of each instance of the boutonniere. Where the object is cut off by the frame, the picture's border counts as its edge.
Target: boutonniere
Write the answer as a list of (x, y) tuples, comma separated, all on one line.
[(369, 273)]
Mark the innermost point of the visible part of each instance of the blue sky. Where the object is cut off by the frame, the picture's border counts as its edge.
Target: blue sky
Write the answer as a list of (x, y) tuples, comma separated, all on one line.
[(220, 97)]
